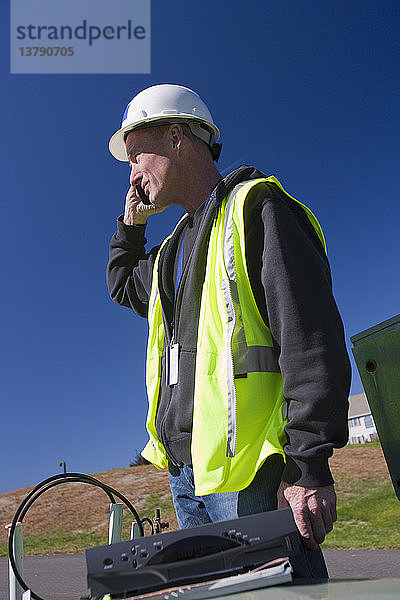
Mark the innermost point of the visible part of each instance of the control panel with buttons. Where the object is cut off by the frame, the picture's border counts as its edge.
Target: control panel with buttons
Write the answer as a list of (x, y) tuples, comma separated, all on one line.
[(177, 557)]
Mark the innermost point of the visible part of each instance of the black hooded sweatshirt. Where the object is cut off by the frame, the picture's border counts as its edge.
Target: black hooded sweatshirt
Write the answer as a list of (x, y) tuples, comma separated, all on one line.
[(291, 281)]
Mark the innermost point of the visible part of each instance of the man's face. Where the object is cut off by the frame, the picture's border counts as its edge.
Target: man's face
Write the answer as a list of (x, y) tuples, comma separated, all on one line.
[(151, 161)]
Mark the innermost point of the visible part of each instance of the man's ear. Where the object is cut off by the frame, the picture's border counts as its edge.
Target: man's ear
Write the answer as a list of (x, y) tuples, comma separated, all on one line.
[(176, 135)]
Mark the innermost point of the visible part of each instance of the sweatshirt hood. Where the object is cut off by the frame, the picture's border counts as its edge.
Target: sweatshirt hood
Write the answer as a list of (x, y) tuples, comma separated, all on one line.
[(226, 185)]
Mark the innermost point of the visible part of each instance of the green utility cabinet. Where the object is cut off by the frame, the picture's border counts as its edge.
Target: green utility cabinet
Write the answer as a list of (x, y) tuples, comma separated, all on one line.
[(377, 354)]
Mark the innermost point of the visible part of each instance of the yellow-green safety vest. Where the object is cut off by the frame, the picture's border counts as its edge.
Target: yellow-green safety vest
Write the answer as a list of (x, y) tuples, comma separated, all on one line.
[(239, 410)]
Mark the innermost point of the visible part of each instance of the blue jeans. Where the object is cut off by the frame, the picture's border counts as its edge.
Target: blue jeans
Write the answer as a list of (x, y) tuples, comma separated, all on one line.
[(259, 496)]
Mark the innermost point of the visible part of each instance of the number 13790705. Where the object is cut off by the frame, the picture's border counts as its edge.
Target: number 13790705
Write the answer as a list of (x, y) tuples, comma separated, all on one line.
[(46, 50)]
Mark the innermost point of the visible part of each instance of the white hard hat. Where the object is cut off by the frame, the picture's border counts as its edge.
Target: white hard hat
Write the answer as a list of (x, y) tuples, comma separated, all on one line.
[(169, 103)]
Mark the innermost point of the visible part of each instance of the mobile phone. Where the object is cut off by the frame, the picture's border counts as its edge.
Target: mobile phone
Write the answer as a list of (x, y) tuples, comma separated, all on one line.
[(142, 195)]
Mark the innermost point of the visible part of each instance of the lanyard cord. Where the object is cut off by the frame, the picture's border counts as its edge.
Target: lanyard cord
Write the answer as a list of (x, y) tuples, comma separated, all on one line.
[(179, 268)]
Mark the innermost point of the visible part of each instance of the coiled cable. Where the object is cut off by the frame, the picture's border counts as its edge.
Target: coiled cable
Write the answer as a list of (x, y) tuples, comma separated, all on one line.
[(46, 485)]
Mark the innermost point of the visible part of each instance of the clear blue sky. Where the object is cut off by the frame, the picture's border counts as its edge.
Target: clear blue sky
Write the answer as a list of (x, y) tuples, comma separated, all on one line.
[(307, 91)]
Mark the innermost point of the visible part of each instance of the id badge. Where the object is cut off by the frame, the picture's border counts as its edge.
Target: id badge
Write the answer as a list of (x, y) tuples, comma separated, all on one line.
[(173, 364)]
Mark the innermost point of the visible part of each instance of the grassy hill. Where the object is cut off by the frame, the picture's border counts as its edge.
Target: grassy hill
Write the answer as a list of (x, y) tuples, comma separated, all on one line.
[(74, 516)]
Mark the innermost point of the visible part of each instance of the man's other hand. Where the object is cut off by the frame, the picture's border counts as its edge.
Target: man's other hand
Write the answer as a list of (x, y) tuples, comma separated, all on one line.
[(314, 510)]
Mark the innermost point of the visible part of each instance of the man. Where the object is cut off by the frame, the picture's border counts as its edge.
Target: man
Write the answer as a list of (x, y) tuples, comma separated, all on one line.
[(247, 372)]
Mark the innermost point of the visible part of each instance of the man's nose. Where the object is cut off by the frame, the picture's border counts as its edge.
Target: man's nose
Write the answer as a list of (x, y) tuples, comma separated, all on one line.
[(132, 175)]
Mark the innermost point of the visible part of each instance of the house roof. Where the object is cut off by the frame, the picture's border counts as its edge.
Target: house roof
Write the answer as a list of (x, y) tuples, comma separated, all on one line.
[(358, 406)]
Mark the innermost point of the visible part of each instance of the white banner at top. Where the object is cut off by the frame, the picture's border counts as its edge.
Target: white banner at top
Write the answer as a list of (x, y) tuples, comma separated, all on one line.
[(80, 36)]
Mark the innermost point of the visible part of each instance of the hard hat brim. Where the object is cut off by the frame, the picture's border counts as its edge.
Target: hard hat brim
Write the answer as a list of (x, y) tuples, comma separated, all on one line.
[(116, 144)]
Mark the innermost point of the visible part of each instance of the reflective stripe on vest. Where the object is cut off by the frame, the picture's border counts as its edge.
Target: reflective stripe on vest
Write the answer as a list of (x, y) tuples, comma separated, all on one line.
[(238, 410)]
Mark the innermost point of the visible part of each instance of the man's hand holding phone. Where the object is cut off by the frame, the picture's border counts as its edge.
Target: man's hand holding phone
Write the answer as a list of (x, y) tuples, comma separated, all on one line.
[(137, 210)]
